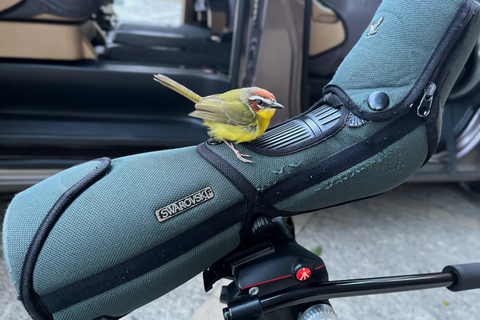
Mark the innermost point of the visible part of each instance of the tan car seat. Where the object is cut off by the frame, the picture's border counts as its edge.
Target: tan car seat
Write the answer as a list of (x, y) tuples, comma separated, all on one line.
[(52, 30)]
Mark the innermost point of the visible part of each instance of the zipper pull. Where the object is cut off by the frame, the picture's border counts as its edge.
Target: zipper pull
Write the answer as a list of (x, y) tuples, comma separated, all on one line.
[(423, 109)]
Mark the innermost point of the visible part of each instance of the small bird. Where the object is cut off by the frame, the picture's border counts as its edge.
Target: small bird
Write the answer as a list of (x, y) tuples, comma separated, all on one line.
[(238, 115)]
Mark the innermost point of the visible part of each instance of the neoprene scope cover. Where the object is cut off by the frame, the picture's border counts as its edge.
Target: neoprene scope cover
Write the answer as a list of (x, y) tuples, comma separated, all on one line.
[(108, 236)]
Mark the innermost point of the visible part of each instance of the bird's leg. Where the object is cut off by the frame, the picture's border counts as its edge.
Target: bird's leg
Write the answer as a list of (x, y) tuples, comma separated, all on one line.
[(237, 153)]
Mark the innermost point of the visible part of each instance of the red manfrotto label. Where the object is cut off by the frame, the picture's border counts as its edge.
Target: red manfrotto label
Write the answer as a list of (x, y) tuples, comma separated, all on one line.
[(303, 274)]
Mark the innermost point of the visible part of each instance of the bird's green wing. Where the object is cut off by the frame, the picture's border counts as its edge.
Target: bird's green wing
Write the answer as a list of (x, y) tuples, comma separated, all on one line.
[(239, 113), (210, 109), (218, 110)]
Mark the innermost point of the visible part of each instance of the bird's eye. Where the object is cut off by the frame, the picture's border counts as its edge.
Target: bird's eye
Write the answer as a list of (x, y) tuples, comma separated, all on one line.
[(260, 102)]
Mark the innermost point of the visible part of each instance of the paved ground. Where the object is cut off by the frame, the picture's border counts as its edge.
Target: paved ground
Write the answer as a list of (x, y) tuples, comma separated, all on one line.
[(416, 228)]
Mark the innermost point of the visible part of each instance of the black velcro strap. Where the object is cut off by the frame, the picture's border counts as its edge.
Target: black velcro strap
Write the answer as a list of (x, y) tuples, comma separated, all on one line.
[(143, 263), (332, 100), (235, 177), (36, 309), (229, 172)]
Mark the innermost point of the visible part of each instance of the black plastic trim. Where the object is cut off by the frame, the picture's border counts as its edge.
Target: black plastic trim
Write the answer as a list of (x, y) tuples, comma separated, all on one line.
[(311, 125), (304, 98), (45, 21), (99, 95), (313, 141), (237, 43), (253, 42), (36, 309)]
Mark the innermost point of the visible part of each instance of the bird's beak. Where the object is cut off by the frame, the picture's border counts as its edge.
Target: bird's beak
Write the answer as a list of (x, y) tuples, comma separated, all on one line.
[(277, 105)]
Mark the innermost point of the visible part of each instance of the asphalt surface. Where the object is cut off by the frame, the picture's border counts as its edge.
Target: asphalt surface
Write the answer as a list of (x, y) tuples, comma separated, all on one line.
[(415, 228)]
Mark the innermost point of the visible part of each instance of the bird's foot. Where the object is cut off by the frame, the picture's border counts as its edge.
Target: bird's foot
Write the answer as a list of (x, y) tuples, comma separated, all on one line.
[(241, 157)]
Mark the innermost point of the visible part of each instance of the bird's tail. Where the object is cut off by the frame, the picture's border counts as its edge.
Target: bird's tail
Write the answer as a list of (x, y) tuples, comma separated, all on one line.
[(175, 86)]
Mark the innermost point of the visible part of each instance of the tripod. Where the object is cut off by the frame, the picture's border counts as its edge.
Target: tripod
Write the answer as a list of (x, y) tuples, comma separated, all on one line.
[(273, 277)]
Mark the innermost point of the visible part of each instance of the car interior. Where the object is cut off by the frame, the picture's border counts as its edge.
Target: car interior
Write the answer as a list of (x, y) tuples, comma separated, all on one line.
[(76, 82)]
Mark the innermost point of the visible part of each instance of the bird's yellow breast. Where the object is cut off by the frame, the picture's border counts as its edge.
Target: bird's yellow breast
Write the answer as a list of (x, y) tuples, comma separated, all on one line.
[(221, 131), (263, 120)]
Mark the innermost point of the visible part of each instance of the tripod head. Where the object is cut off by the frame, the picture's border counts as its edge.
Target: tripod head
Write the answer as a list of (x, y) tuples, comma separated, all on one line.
[(273, 277), (269, 261)]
